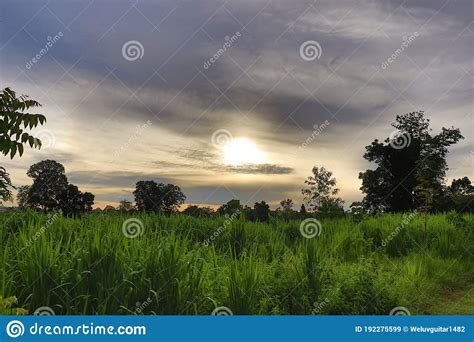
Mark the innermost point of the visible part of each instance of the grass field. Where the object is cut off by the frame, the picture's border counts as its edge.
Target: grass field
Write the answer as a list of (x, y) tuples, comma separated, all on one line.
[(183, 265)]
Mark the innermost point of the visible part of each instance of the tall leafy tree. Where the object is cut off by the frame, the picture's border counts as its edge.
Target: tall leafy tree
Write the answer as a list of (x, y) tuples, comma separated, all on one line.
[(286, 204), (72, 202), (262, 211), (51, 190), (195, 211), (49, 181), (14, 126), (153, 197), (320, 192), (125, 206), (230, 207), (286, 209), (411, 165), (461, 186), (459, 196)]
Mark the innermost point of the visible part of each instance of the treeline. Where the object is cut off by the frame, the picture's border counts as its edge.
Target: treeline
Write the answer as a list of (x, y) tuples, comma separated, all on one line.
[(260, 212), (52, 191), (410, 174)]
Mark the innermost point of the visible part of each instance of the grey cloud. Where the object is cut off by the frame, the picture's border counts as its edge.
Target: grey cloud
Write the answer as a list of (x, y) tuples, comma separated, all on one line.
[(270, 101), (266, 169)]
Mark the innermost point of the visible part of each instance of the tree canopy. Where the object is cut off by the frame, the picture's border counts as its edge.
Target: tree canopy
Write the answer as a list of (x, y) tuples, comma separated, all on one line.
[(51, 190), (411, 165), (14, 123), (49, 181), (320, 192), (153, 197)]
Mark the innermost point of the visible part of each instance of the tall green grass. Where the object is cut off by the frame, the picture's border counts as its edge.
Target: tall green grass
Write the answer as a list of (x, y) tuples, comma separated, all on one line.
[(88, 266)]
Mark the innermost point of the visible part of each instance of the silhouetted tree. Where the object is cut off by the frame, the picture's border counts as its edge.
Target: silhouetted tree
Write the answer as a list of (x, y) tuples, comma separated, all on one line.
[(229, 208), (461, 186), (286, 204), (13, 136), (286, 211), (320, 192), (73, 202), (49, 181), (22, 197), (459, 196), (411, 164), (195, 211), (162, 198), (125, 206), (303, 211), (50, 190), (262, 210)]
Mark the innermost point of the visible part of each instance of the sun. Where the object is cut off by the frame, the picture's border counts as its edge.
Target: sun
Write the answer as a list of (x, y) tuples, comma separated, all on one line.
[(241, 151)]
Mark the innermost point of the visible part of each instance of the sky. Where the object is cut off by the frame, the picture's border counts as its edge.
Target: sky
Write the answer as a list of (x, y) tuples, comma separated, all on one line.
[(233, 99)]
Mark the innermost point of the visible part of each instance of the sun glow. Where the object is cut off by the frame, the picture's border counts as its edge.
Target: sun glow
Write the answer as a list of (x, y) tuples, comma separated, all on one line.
[(241, 151)]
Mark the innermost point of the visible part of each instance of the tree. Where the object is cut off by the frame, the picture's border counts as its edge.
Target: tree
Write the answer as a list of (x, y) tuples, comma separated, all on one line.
[(50, 190), (125, 206), (286, 204), (162, 198), (461, 186), (23, 196), (459, 196), (230, 207), (5, 185), (286, 210), (195, 211), (73, 202), (320, 192), (262, 210), (12, 135), (411, 165), (49, 181), (303, 212), (88, 200)]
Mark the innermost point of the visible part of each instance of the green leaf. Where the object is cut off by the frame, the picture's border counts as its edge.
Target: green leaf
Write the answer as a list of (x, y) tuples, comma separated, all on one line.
[(12, 151)]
